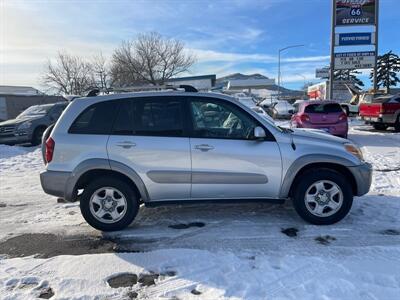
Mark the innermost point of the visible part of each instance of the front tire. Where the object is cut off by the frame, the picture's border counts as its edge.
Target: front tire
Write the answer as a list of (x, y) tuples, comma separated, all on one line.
[(37, 135), (322, 196), (109, 204)]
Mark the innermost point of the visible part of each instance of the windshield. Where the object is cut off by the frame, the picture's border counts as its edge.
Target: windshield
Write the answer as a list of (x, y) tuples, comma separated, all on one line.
[(36, 110)]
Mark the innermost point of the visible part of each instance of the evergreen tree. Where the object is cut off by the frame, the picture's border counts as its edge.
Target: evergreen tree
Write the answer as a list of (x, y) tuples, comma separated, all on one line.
[(349, 76), (388, 66)]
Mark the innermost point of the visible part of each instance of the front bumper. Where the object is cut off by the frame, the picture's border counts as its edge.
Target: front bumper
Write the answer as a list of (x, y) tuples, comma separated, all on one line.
[(363, 177), (55, 182), (12, 139)]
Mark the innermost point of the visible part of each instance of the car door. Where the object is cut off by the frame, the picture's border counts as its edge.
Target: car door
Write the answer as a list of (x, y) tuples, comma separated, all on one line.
[(227, 161), (149, 137)]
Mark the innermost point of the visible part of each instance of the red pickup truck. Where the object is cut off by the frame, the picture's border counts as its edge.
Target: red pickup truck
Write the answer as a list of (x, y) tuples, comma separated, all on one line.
[(382, 112)]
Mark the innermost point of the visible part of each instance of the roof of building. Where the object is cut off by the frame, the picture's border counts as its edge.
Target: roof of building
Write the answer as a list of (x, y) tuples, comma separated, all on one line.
[(210, 76), (18, 90)]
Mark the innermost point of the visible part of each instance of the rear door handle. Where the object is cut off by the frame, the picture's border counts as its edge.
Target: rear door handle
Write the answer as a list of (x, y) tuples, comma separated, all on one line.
[(126, 144), (204, 147)]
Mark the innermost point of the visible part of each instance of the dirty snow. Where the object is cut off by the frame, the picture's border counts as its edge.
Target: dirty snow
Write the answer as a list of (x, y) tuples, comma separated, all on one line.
[(239, 253)]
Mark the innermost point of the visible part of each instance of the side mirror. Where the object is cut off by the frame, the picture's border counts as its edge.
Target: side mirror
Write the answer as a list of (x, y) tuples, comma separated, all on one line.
[(259, 132)]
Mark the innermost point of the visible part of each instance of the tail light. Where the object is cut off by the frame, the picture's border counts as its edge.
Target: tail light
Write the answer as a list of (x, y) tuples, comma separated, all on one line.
[(342, 117), (50, 143), (304, 118)]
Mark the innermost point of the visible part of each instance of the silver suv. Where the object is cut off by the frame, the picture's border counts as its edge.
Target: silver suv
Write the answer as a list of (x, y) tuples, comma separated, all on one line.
[(116, 152)]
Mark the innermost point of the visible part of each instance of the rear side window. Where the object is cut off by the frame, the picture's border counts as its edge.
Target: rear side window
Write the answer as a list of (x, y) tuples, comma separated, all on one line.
[(96, 119), (323, 108), (150, 117)]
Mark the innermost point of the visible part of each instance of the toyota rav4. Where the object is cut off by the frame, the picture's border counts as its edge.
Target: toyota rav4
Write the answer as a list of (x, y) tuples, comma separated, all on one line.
[(116, 152)]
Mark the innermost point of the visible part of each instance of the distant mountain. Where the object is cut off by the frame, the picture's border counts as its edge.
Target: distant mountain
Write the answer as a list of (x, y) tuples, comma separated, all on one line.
[(239, 76)]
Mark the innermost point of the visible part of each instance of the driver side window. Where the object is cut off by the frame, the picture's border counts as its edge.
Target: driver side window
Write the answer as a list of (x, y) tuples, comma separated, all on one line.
[(215, 119)]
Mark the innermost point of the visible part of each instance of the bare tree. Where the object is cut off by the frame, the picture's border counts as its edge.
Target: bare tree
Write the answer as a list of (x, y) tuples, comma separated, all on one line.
[(69, 75), (150, 58), (101, 72)]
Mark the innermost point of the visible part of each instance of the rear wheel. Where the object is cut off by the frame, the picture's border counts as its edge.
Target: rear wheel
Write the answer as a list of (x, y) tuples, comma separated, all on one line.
[(109, 204), (322, 196), (379, 126), (397, 124)]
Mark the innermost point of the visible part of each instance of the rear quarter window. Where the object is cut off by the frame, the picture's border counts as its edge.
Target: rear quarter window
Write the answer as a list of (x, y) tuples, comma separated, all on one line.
[(96, 119)]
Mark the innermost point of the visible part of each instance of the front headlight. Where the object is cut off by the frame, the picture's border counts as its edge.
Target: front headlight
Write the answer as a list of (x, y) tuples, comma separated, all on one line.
[(24, 125), (353, 149)]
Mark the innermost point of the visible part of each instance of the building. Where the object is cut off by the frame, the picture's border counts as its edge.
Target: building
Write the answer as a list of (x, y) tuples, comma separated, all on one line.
[(15, 99)]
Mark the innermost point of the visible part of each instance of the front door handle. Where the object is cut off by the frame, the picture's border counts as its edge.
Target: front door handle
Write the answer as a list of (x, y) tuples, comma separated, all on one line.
[(126, 144), (204, 147)]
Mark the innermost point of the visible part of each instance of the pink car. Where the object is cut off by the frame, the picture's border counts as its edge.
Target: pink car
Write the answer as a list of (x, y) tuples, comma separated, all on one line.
[(326, 115)]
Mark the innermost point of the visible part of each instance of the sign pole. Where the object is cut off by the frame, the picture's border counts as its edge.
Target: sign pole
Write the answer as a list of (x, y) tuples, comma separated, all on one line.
[(376, 43), (332, 65)]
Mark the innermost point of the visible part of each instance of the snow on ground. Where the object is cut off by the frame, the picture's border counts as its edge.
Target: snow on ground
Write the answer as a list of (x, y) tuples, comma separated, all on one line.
[(239, 253)]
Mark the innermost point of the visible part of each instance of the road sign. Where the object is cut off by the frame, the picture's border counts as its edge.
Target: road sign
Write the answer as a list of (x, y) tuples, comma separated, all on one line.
[(355, 39), (322, 73), (354, 60), (355, 12)]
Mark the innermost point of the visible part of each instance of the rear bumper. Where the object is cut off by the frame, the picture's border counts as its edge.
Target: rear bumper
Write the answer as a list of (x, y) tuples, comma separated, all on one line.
[(363, 177), (385, 119), (339, 129), (55, 182)]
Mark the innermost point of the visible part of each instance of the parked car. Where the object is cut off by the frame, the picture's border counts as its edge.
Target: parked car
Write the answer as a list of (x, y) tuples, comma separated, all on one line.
[(326, 115), (262, 113), (116, 152), (383, 112), (28, 127), (281, 110)]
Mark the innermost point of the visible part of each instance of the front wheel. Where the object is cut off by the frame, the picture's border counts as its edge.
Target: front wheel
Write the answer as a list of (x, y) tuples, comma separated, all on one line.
[(322, 196), (37, 135), (109, 204)]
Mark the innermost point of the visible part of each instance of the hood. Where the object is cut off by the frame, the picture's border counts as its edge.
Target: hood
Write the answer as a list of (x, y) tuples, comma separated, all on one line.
[(316, 134), (20, 120)]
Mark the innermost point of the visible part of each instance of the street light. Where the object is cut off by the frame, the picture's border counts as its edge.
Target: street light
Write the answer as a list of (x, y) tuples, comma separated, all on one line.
[(304, 81), (279, 66)]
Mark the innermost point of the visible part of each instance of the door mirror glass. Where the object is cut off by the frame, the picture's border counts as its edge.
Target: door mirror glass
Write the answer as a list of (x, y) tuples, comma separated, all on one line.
[(259, 132)]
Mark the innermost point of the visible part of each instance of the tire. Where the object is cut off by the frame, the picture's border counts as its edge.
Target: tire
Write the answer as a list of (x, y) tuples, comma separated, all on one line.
[(380, 126), (305, 186), (397, 124), (88, 205), (37, 135)]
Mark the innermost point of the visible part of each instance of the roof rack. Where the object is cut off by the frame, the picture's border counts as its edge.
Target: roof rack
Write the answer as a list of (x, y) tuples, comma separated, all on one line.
[(185, 87)]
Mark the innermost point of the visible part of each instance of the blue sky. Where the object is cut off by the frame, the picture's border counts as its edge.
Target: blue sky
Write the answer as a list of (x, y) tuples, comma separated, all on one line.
[(226, 36)]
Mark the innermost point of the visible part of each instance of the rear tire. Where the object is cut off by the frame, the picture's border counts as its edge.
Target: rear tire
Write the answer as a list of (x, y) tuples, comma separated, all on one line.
[(379, 126), (332, 204), (106, 223), (397, 124)]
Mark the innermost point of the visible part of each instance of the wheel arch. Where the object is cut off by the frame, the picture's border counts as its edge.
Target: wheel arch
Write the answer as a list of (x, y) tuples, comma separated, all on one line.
[(304, 164), (93, 168)]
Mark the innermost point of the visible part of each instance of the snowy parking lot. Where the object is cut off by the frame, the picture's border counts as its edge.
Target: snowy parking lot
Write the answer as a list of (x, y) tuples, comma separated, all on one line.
[(209, 251)]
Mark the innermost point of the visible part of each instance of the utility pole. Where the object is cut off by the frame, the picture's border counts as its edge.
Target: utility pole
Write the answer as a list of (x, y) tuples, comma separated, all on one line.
[(279, 66), (332, 64), (304, 82), (376, 44)]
